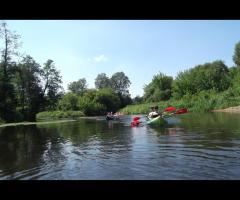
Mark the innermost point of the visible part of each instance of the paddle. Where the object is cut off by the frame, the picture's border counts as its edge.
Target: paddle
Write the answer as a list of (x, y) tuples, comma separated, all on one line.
[(169, 109), (181, 111), (177, 112), (135, 121)]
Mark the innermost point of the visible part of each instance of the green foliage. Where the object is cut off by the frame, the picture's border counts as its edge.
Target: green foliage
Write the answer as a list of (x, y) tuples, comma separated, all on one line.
[(235, 82), (52, 85), (102, 81), (236, 56), (58, 114), (159, 88), (210, 76), (108, 99), (98, 102), (2, 121), (68, 102), (120, 83), (27, 87), (204, 101), (78, 87), (7, 95), (124, 100), (137, 100)]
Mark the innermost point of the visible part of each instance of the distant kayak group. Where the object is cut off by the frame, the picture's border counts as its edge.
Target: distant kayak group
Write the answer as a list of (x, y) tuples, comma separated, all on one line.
[(115, 116)]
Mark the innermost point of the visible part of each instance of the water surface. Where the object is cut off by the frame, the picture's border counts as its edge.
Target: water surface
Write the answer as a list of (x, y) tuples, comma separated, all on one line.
[(204, 146)]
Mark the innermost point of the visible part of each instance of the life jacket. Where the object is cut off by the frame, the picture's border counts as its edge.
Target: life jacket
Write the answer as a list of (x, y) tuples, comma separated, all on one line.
[(135, 122)]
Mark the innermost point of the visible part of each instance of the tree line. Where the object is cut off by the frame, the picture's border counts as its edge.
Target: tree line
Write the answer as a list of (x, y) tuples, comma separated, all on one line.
[(109, 95), (27, 88), (214, 76)]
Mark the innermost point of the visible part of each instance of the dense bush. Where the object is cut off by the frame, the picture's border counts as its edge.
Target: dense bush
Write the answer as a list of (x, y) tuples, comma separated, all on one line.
[(210, 76), (90, 107), (159, 89), (92, 102), (204, 101), (59, 114), (68, 102), (108, 99)]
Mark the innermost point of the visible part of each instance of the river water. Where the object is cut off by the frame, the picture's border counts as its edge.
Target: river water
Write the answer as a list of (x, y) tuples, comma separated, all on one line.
[(188, 147)]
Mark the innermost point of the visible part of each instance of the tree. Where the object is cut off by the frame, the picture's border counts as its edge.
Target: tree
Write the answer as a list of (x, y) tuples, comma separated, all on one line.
[(86, 103), (78, 87), (137, 100), (28, 88), (68, 102), (51, 85), (209, 76), (102, 81), (7, 97), (160, 88), (236, 56), (108, 98), (120, 83)]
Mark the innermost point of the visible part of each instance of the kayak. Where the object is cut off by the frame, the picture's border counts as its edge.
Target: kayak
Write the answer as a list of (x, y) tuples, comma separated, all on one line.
[(112, 117), (156, 121), (167, 114)]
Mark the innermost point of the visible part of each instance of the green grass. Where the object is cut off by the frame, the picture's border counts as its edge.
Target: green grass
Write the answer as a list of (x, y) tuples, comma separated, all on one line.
[(59, 115), (203, 102)]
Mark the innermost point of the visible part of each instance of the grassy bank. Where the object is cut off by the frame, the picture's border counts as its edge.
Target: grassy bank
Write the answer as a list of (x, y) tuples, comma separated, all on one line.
[(48, 117), (32, 123), (58, 115), (203, 102)]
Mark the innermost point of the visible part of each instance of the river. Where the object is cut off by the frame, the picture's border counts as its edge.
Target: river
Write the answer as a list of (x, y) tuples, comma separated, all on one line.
[(188, 147)]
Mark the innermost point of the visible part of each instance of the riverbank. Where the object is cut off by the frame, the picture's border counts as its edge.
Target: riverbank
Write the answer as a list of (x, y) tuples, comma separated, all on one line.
[(201, 103), (50, 121), (32, 123), (58, 114), (235, 109)]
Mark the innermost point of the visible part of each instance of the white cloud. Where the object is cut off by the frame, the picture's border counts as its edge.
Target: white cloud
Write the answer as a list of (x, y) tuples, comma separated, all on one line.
[(100, 58)]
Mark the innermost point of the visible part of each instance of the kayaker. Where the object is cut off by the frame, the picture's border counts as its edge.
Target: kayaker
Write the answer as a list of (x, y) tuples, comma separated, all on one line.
[(109, 116), (135, 122), (154, 113), (157, 112)]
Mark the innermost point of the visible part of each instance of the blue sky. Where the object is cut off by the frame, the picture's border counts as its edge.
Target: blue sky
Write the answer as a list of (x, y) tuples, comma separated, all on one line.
[(139, 48)]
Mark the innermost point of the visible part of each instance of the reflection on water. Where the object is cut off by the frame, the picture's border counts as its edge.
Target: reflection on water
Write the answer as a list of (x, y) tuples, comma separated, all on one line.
[(205, 146)]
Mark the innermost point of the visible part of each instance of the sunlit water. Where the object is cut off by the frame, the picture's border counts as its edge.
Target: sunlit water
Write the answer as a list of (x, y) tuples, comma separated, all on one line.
[(205, 146)]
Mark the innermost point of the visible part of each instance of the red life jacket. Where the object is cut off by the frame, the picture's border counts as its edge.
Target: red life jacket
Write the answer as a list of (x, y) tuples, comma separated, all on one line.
[(135, 123)]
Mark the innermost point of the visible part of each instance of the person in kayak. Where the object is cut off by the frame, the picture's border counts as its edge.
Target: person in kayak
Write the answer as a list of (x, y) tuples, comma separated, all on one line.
[(153, 113), (109, 116), (135, 122), (157, 112)]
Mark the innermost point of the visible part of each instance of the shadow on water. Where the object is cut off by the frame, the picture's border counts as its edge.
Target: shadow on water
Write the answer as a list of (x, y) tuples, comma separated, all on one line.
[(31, 150), (26, 149)]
